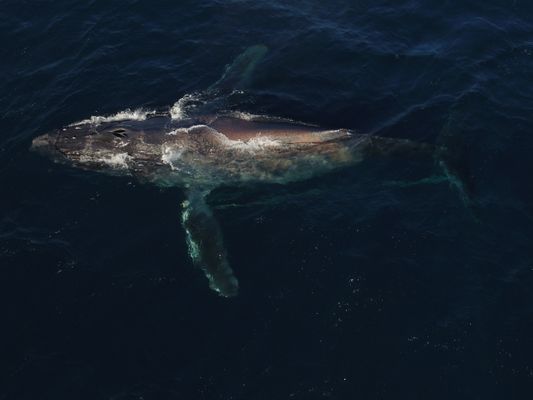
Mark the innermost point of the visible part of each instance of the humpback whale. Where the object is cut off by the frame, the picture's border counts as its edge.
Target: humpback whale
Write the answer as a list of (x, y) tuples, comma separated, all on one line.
[(200, 151)]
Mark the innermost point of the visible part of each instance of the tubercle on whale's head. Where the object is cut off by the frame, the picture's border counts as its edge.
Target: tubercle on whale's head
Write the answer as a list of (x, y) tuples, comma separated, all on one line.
[(90, 145)]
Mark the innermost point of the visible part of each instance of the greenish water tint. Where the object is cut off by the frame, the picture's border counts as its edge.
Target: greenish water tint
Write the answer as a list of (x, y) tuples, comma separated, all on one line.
[(430, 180)]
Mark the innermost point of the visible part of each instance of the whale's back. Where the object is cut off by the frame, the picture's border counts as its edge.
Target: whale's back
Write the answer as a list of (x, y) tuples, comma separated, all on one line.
[(246, 127)]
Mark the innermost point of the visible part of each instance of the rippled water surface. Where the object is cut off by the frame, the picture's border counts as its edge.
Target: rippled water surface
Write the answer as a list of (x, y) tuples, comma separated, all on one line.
[(375, 282)]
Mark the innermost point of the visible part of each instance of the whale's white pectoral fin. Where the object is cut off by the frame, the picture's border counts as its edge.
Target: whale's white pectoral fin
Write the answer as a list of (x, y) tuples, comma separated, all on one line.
[(206, 246)]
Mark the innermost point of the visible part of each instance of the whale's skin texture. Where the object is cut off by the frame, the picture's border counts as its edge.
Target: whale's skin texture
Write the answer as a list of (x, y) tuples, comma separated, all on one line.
[(206, 152), (212, 151)]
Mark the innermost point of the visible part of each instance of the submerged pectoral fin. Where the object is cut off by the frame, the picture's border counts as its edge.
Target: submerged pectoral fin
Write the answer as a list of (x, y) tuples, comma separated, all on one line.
[(237, 74), (206, 245)]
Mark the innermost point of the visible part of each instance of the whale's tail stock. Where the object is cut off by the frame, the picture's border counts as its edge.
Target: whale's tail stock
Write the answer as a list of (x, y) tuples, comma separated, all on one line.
[(449, 154)]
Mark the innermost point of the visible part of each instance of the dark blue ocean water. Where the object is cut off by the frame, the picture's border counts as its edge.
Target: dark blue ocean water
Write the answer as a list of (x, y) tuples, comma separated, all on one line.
[(375, 282)]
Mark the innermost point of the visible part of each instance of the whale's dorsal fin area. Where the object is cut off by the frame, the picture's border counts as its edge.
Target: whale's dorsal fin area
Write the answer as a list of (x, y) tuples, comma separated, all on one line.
[(206, 245), (237, 74)]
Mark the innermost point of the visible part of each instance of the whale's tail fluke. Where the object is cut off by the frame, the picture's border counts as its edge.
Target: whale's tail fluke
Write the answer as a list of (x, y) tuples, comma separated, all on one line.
[(449, 154), (451, 157), (206, 245)]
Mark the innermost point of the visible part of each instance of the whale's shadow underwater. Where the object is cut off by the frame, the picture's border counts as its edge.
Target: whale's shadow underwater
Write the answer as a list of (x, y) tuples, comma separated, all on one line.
[(201, 150)]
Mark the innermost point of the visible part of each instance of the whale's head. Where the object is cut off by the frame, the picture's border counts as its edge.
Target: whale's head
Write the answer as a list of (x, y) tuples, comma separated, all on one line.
[(110, 145)]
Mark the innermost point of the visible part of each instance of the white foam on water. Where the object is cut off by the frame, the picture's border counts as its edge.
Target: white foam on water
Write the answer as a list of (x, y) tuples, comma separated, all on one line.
[(138, 114), (245, 116), (252, 117), (185, 130), (262, 117), (119, 160), (169, 155), (179, 109), (252, 145)]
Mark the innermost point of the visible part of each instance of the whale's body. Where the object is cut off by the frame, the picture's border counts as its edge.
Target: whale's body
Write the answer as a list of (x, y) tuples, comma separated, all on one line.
[(210, 151), (203, 152)]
